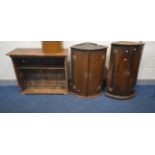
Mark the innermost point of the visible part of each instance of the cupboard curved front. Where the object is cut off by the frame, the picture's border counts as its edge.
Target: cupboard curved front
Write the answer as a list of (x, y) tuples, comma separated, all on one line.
[(123, 70), (87, 63)]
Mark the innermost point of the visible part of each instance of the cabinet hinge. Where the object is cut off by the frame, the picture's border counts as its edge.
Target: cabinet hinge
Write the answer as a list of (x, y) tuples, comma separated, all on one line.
[(86, 75), (127, 73), (110, 89), (115, 50), (74, 57), (74, 87), (99, 87), (103, 57)]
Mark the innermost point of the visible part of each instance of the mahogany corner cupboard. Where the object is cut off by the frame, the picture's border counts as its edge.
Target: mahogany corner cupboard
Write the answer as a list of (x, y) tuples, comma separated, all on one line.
[(40, 73), (123, 70), (87, 69)]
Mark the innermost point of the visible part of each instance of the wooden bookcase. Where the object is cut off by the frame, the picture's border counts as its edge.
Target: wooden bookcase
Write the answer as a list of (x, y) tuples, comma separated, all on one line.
[(40, 73)]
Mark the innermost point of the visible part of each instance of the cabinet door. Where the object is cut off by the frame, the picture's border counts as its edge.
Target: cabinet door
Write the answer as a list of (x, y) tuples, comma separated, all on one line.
[(96, 70), (118, 71), (79, 72)]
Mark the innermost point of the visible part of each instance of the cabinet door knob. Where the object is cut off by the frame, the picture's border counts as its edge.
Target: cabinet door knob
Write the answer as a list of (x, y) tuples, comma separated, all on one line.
[(125, 59), (78, 90), (126, 51)]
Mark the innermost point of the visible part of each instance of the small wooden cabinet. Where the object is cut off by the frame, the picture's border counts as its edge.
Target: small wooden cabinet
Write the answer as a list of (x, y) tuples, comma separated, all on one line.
[(87, 69), (52, 46), (40, 73), (123, 70)]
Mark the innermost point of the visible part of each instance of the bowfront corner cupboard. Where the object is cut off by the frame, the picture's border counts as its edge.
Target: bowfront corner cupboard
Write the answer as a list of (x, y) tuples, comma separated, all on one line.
[(87, 69), (123, 70)]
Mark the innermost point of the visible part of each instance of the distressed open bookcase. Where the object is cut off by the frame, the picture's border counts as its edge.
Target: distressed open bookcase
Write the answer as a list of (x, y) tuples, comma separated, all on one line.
[(38, 72)]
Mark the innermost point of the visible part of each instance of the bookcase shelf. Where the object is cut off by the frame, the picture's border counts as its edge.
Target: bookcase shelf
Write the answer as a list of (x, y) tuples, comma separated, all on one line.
[(41, 67)]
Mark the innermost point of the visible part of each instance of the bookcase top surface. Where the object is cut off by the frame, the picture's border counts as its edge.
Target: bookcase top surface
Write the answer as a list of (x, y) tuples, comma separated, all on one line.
[(35, 52), (128, 43), (88, 46)]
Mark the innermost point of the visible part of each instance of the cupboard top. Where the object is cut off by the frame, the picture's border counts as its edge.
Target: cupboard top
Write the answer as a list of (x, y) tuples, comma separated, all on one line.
[(36, 52), (128, 43), (88, 46)]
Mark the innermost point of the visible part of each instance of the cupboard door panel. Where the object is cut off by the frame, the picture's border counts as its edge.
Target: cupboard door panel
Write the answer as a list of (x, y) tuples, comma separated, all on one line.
[(79, 72), (96, 72), (119, 74), (124, 72), (115, 75)]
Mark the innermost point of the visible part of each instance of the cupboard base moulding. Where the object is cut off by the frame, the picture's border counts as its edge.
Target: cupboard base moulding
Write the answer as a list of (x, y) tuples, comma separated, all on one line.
[(87, 97), (120, 97)]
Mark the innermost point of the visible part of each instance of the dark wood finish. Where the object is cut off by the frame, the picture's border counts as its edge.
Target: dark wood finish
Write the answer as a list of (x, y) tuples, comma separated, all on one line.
[(96, 72), (52, 46), (77, 69), (123, 69), (39, 73), (88, 62)]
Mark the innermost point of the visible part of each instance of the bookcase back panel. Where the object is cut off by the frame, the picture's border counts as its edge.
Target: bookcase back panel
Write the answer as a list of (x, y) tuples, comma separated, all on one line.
[(43, 61), (44, 78)]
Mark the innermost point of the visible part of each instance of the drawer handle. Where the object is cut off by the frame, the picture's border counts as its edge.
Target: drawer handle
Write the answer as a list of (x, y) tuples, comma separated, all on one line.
[(125, 59)]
